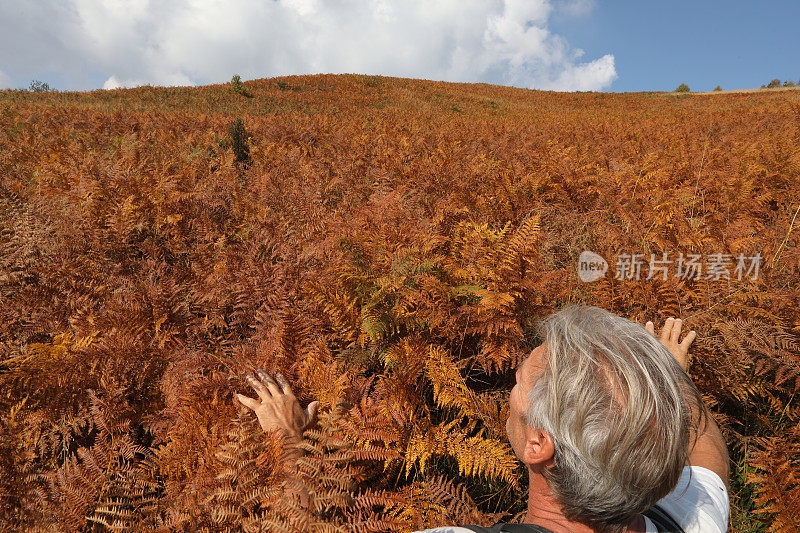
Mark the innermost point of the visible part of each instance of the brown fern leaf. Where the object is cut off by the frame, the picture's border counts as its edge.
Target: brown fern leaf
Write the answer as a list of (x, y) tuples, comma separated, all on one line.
[(776, 464)]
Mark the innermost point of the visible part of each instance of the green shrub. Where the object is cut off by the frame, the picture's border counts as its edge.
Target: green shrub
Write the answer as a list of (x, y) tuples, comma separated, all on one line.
[(238, 142), (37, 86), (774, 83), (238, 87), (717, 88), (788, 83), (682, 88), (285, 86)]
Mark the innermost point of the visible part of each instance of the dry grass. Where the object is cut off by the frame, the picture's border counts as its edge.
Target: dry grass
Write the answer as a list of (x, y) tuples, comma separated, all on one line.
[(746, 91)]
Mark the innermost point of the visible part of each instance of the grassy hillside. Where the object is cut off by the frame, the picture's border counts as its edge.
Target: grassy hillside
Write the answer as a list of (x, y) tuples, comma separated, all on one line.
[(387, 244)]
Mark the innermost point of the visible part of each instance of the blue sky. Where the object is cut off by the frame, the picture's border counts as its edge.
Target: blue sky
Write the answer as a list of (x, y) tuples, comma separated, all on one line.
[(541, 44), (658, 45)]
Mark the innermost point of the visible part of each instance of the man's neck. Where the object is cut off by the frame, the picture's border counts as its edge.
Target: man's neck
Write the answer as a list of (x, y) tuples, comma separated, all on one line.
[(544, 510)]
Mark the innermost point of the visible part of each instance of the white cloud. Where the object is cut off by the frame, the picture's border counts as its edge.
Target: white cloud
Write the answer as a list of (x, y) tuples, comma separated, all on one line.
[(5, 81), (113, 83), (170, 80), (188, 42), (587, 76), (577, 8)]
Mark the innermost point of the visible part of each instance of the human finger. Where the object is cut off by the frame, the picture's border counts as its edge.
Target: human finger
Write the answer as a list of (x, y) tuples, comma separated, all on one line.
[(260, 388), (649, 327), (248, 402), (267, 380), (676, 330), (285, 387), (687, 341), (666, 331), (311, 413)]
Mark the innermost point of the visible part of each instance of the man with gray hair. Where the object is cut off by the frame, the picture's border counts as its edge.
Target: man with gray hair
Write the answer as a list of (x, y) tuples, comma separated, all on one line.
[(614, 434)]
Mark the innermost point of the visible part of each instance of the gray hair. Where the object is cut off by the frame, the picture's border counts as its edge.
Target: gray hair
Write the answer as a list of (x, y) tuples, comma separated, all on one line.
[(619, 408)]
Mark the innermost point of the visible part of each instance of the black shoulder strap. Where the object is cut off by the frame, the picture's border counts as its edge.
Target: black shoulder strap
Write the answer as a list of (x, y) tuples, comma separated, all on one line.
[(663, 522), (503, 527)]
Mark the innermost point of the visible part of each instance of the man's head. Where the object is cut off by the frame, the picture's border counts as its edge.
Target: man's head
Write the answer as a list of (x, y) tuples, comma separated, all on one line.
[(602, 410), (533, 446)]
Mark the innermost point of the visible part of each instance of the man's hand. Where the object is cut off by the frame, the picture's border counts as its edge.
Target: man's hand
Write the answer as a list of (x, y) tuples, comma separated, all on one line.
[(278, 409), (669, 338), (709, 450)]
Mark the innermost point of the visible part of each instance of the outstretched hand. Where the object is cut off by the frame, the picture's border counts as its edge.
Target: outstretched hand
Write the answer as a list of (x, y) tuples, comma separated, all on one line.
[(670, 334), (277, 408)]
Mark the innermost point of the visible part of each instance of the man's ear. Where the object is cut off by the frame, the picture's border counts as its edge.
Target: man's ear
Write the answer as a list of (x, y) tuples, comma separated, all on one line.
[(539, 447)]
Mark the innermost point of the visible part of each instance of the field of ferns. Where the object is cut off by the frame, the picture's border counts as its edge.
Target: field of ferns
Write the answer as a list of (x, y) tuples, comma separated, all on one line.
[(388, 245)]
